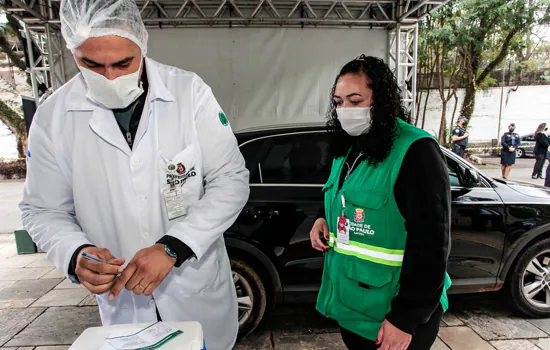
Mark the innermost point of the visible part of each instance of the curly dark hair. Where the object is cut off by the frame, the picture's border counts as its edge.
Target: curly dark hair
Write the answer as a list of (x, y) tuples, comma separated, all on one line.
[(386, 108)]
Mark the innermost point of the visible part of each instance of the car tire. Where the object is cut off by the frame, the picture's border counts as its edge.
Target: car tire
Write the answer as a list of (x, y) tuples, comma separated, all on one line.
[(520, 153), (251, 295), (528, 276)]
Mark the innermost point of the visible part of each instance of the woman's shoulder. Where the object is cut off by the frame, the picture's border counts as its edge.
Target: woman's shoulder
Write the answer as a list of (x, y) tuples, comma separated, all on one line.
[(408, 134)]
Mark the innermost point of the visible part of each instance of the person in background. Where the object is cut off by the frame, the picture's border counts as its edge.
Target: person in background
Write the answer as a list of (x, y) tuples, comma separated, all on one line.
[(547, 179), (460, 137), (135, 164), (510, 142), (541, 147), (388, 191)]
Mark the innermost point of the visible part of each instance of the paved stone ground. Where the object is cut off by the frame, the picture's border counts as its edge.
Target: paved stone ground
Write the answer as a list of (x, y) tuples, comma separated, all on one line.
[(521, 171), (40, 310)]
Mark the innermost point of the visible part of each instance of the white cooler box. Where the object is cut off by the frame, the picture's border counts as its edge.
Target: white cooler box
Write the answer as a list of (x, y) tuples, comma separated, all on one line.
[(94, 338)]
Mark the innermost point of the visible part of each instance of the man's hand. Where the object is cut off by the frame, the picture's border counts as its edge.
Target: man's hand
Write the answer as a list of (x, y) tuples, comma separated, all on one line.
[(319, 228), (392, 338), (512, 149), (465, 135), (98, 278), (145, 271)]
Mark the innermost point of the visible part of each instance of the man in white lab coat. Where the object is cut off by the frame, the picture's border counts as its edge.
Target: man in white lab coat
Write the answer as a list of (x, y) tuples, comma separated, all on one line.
[(134, 163)]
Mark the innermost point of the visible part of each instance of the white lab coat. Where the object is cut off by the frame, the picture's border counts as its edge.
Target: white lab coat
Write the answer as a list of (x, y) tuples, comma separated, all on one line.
[(85, 186)]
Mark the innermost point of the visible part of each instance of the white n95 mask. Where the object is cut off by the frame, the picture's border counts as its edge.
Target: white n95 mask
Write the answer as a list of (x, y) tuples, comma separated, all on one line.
[(356, 120), (112, 94)]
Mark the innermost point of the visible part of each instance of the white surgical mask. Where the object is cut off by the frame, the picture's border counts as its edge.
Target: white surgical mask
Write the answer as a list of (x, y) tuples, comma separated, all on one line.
[(356, 120), (112, 94)]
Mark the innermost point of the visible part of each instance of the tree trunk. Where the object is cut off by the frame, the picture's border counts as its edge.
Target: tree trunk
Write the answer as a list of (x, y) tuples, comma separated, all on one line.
[(454, 109), (21, 145), (425, 107), (474, 80), (16, 124), (443, 124), (469, 102), (430, 80), (418, 102)]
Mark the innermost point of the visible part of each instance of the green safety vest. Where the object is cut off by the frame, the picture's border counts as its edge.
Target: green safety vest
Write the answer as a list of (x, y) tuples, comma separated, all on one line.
[(361, 278)]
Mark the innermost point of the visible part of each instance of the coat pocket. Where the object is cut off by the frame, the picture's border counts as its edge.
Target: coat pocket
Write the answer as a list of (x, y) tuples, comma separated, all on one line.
[(368, 289), (181, 173), (194, 276)]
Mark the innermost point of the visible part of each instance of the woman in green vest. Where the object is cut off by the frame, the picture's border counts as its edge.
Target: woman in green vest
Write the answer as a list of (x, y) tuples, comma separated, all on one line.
[(385, 228)]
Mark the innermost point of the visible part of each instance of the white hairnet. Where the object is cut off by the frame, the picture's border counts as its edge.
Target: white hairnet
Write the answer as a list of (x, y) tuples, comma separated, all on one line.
[(83, 19)]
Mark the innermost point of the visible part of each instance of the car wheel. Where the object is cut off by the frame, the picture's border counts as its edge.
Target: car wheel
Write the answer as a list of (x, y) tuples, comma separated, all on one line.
[(251, 296), (530, 280), (520, 153)]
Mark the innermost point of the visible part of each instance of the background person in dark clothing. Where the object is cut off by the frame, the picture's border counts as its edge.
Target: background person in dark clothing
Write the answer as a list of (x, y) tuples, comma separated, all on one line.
[(460, 137), (541, 147), (510, 142), (547, 180)]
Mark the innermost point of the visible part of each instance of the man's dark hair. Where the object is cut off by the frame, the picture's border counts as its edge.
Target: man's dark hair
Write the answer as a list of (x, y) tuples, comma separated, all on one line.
[(387, 107)]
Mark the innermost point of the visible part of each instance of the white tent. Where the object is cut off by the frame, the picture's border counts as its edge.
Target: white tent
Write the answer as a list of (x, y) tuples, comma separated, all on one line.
[(267, 61)]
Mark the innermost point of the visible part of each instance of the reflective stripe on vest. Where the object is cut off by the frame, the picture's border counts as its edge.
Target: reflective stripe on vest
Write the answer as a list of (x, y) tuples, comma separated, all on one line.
[(368, 252)]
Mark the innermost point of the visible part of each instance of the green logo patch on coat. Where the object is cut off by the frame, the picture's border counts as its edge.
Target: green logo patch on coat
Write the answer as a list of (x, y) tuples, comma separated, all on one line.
[(223, 119)]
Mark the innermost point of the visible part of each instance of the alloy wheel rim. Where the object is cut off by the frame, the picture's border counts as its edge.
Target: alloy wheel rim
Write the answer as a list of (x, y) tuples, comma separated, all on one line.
[(245, 297), (536, 281)]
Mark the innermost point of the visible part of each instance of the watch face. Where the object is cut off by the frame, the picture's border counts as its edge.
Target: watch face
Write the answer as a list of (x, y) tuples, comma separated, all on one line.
[(170, 252)]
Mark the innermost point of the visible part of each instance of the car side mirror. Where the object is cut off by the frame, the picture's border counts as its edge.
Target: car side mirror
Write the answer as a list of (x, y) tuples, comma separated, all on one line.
[(471, 178)]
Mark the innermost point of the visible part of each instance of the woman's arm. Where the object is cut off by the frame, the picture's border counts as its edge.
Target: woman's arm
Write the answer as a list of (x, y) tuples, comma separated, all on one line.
[(422, 193), (503, 142), (542, 139)]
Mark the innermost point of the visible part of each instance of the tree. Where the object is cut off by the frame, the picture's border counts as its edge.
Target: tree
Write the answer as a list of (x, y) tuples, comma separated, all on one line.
[(426, 69), (444, 63), (488, 29), (10, 114)]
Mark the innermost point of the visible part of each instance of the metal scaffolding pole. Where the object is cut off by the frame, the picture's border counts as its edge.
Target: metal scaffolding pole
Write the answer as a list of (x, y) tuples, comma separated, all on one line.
[(402, 60), (398, 17), (414, 73), (32, 65), (51, 58)]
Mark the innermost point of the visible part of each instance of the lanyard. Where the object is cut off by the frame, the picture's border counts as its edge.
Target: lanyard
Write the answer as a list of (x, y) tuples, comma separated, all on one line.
[(353, 165)]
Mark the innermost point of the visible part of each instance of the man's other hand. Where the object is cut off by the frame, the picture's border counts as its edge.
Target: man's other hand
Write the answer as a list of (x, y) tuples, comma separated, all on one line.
[(145, 271)]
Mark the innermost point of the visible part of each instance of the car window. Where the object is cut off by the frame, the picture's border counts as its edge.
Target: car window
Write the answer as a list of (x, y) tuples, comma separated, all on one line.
[(454, 173), (296, 159), (251, 153)]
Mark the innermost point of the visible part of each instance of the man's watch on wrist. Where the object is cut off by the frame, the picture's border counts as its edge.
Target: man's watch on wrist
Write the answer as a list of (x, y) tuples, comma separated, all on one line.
[(170, 252)]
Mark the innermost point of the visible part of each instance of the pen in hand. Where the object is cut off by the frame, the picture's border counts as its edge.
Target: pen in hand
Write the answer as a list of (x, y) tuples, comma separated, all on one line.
[(93, 258)]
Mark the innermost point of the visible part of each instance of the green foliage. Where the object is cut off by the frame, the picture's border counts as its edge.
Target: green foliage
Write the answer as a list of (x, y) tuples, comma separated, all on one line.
[(487, 83), (13, 170), (478, 36)]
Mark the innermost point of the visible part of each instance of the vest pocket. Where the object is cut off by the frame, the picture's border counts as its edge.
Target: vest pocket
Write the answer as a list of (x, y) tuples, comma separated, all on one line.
[(366, 211), (367, 289), (368, 199)]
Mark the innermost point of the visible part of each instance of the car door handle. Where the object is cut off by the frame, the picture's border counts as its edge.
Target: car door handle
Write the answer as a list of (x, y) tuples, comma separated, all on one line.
[(265, 214)]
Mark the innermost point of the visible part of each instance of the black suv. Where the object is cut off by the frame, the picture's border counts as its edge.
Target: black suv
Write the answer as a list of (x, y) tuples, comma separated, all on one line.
[(500, 229)]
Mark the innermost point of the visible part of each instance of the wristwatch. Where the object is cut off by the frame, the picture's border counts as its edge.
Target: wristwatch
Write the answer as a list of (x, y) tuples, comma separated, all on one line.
[(170, 252)]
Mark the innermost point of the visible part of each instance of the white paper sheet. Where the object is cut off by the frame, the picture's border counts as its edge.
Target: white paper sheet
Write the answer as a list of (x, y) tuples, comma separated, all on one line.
[(145, 338)]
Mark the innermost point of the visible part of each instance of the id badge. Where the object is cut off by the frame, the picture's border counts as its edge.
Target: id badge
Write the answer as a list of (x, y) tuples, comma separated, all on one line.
[(173, 198), (343, 230)]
